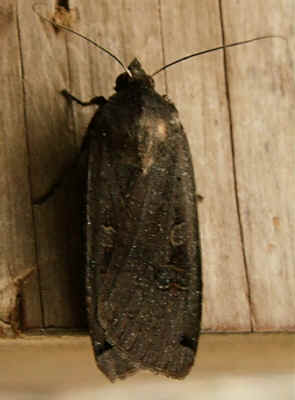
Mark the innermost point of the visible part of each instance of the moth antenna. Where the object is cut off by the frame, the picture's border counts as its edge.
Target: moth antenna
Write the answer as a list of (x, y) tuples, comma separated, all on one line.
[(82, 36), (215, 49)]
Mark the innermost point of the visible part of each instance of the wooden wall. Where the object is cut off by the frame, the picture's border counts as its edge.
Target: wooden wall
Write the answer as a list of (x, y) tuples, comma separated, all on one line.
[(237, 107)]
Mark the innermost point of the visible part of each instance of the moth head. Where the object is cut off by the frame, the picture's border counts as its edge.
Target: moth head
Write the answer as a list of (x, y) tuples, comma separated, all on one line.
[(139, 78)]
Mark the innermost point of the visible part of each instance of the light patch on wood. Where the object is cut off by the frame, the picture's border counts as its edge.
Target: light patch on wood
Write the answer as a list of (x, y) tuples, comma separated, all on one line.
[(10, 289), (16, 281), (276, 223), (271, 247)]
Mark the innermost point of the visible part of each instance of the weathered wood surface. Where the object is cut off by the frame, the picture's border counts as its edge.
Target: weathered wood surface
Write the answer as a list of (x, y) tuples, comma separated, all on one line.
[(236, 107), (17, 236), (262, 98), (232, 366)]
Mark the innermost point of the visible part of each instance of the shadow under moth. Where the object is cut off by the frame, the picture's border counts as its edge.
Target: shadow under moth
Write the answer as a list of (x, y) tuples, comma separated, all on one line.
[(144, 282)]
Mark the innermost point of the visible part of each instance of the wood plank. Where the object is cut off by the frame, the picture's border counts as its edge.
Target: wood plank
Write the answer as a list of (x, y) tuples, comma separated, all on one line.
[(70, 64), (198, 88), (92, 72), (52, 145), (17, 251), (262, 97), (262, 92), (232, 366)]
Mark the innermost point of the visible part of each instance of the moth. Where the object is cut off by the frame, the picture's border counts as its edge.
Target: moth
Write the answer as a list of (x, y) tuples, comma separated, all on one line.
[(143, 250), (143, 269)]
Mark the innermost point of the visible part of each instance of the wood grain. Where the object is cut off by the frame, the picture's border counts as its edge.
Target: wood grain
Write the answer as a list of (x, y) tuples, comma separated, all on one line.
[(236, 107), (92, 72), (262, 91), (198, 88), (52, 145), (17, 248)]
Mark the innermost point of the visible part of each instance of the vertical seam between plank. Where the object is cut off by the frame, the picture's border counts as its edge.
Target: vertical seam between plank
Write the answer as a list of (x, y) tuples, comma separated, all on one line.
[(121, 23), (162, 43), (73, 130), (29, 170), (234, 164), (70, 113)]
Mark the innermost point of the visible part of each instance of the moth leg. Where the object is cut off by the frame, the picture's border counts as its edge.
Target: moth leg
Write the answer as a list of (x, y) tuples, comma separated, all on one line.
[(98, 100)]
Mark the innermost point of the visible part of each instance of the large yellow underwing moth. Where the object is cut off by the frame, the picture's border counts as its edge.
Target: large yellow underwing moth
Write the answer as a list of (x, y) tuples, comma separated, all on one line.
[(144, 281)]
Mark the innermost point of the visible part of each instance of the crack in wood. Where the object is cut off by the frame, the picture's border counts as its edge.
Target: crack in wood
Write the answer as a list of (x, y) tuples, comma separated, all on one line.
[(162, 44), (234, 167), (29, 168)]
